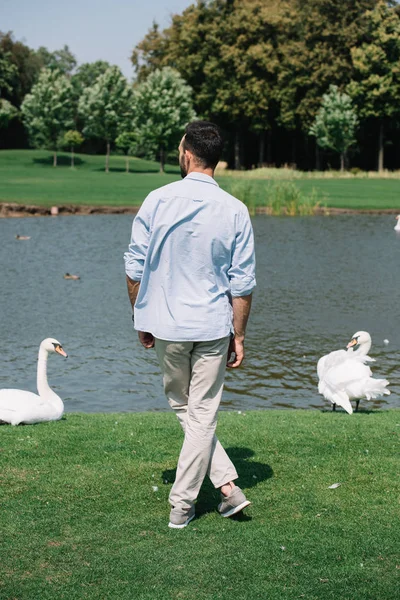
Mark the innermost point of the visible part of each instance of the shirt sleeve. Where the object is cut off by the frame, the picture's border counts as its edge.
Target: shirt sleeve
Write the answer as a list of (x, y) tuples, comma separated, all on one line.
[(137, 251), (242, 270)]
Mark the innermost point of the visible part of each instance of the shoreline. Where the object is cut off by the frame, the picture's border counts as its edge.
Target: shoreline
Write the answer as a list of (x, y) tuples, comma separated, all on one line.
[(15, 210)]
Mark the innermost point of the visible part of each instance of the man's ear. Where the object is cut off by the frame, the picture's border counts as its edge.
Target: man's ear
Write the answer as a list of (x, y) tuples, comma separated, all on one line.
[(188, 155)]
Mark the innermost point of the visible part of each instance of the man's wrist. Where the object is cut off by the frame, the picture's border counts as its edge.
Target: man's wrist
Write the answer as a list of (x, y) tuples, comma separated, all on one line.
[(239, 337)]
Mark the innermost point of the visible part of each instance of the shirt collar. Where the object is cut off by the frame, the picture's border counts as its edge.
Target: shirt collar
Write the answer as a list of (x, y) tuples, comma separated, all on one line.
[(201, 177)]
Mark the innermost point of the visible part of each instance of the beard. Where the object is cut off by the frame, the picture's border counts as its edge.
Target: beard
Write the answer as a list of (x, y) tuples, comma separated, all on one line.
[(183, 167)]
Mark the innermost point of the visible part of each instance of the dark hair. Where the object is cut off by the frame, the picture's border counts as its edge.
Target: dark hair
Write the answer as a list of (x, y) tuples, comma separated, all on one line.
[(204, 140)]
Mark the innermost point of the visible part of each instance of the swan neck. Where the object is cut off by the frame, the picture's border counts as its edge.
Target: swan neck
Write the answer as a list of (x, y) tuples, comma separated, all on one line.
[(42, 385), (363, 349)]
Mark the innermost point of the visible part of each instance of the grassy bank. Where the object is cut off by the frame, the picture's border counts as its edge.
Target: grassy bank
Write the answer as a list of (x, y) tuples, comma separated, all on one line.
[(27, 177), (81, 518)]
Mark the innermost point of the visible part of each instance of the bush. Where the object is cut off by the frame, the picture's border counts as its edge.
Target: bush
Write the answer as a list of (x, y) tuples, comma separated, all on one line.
[(355, 171)]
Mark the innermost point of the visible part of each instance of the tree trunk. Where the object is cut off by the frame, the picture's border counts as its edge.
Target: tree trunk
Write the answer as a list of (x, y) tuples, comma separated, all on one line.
[(294, 151), (381, 147), (269, 147), (72, 158), (108, 158), (341, 162), (127, 164), (261, 149), (237, 151), (55, 159), (317, 157), (162, 160)]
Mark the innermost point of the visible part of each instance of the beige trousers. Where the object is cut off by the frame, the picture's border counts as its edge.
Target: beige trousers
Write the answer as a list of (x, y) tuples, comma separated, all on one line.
[(194, 374)]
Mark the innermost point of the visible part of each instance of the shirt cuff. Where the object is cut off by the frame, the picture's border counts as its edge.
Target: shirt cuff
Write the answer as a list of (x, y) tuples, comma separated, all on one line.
[(134, 274), (242, 287)]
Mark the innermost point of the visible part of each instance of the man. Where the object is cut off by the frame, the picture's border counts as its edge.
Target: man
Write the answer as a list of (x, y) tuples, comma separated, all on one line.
[(190, 275)]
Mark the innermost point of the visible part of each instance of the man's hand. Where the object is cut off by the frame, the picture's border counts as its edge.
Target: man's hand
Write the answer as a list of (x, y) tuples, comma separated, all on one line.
[(236, 347), (146, 339)]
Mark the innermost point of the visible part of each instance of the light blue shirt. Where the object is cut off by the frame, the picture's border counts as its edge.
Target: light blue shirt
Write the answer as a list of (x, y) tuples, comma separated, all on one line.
[(192, 249)]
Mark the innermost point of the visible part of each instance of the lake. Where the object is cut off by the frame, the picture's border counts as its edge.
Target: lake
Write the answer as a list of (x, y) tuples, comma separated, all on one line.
[(320, 279)]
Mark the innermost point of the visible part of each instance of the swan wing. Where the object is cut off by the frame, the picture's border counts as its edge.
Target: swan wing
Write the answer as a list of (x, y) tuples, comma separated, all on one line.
[(327, 386), (330, 360), (17, 406), (354, 378), (347, 372)]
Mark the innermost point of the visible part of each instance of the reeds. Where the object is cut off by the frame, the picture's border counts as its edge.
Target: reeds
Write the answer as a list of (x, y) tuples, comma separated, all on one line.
[(278, 198)]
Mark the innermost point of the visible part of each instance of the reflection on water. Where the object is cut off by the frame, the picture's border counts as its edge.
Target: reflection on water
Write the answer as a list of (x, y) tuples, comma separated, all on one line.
[(320, 279)]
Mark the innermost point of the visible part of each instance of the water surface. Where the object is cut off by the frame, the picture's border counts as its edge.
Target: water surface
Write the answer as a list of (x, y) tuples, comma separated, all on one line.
[(320, 279)]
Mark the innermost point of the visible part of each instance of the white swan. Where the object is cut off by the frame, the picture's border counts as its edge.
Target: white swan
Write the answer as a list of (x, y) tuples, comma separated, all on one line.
[(344, 376), (397, 226), (18, 406)]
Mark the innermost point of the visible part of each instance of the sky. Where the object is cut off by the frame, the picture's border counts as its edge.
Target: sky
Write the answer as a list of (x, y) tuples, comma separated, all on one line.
[(93, 29)]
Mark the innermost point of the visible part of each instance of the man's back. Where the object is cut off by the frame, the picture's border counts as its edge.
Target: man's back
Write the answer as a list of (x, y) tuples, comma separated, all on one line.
[(190, 277), (192, 248)]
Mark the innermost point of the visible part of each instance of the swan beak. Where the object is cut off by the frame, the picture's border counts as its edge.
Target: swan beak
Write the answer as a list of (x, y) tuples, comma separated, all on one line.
[(352, 343), (60, 350)]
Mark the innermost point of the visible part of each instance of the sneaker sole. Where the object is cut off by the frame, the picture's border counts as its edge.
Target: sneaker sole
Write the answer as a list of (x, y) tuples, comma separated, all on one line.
[(236, 509), (173, 526)]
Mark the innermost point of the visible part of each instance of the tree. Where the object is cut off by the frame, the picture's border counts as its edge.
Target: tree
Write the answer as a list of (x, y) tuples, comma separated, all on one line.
[(162, 107), (126, 141), (375, 87), (258, 64), (23, 68), (104, 105), (151, 53), (209, 46), (314, 52), (335, 123), (47, 111), (7, 112), (87, 73), (62, 60), (72, 139), (7, 73)]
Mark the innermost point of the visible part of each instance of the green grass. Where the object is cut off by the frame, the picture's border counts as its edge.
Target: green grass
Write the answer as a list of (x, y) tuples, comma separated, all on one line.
[(372, 194), (80, 518), (26, 176)]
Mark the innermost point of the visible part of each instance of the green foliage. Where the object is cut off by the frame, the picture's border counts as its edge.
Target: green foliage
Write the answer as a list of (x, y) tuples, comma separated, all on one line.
[(256, 61), (23, 67), (7, 72), (280, 198), (73, 139), (47, 111), (83, 488), (103, 105), (375, 87), (126, 141), (226, 53), (162, 106), (61, 60), (106, 107), (336, 122), (7, 112), (87, 74), (314, 52), (285, 198)]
